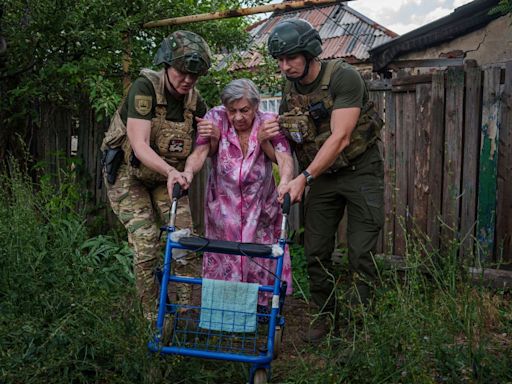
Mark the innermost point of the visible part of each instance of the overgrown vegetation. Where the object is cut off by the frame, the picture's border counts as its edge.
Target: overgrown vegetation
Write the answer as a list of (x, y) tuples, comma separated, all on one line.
[(69, 54), (66, 300), (428, 323), (68, 312)]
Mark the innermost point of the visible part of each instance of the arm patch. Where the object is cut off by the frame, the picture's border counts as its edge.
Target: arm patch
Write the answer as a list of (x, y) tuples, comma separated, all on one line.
[(143, 104)]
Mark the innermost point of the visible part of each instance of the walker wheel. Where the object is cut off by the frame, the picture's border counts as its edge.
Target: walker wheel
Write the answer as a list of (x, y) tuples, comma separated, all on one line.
[(260, 376), (278, 340), (167, 329)]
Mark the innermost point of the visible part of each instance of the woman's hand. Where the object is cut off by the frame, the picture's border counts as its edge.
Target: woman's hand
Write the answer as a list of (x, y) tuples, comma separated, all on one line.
[(268, 130), (282, 189), (206, 129)]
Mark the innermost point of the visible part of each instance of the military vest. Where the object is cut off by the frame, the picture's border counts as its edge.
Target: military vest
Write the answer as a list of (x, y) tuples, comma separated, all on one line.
[(171, 140), (307, 123)]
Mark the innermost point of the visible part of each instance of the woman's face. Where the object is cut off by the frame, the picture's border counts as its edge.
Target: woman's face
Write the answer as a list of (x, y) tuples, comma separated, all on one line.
[(182, 82), (241, 114)]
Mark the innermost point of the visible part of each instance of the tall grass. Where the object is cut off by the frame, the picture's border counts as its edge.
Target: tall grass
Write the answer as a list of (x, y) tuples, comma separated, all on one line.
[(68, 315), (427, 324), (64, 299)]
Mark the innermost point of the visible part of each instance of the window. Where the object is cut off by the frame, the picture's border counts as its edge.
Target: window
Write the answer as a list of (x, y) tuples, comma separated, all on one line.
[(270, 104)]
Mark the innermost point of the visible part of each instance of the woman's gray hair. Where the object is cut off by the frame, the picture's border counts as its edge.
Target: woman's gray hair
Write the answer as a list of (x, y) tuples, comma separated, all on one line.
[(238, 89)]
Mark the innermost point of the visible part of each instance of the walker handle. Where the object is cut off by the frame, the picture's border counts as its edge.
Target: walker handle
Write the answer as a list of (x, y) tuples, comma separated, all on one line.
[(286, 204), (176, 191)]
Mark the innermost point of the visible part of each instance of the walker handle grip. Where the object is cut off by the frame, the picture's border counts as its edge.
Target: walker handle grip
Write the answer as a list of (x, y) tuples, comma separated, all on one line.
[(176, 191), (286, 204)]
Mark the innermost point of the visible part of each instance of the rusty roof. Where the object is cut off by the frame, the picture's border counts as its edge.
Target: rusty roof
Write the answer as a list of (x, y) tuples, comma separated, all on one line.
[(345, 32)]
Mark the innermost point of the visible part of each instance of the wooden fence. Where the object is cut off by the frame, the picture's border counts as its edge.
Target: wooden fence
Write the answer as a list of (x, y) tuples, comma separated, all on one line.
[(448, 158)]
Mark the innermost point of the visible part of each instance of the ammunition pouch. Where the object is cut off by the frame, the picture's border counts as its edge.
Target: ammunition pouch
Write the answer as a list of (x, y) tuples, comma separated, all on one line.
[(111, 161), (318, 112)]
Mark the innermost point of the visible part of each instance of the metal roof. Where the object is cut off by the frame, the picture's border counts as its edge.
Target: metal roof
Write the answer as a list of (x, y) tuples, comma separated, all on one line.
[(345, 32)]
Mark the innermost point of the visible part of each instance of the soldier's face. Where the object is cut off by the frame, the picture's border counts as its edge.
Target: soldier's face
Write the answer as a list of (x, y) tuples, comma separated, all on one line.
[(182, 82), (292, 66), (241, 114)]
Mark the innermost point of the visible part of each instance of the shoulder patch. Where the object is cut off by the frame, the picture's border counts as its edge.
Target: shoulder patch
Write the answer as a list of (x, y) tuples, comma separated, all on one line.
[(143, 104)]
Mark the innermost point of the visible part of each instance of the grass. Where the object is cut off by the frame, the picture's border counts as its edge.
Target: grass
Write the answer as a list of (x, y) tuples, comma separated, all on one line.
[(68, 313), (427, 324)]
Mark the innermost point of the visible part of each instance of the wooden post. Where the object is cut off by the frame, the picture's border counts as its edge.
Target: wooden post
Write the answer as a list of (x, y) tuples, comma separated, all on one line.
[(239, 12), (127, 60)]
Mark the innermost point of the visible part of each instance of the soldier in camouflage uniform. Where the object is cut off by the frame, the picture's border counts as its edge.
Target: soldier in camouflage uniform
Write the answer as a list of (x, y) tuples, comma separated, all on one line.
[(326, 113), (145, 149)]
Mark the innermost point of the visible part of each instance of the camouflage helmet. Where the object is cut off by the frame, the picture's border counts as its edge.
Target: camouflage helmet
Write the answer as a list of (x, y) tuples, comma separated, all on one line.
[(186, 51), (294, 36)]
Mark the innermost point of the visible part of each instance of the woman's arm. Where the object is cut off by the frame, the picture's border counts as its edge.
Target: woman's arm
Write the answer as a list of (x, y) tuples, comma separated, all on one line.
[(206, 129)]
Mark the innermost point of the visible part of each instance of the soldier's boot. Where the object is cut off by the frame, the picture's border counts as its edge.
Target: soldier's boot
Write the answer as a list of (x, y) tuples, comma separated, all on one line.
[(320, 328), (359, 294)]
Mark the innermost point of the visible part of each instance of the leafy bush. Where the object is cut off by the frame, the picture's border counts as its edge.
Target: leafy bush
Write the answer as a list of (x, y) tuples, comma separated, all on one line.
[(66, 301)]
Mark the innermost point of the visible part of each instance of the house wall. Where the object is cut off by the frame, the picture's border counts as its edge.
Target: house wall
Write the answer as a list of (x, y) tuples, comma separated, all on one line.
[(489, 45)]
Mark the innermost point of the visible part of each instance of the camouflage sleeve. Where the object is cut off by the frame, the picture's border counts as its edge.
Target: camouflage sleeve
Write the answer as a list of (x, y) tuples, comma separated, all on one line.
[(347, 88), (141, 100)]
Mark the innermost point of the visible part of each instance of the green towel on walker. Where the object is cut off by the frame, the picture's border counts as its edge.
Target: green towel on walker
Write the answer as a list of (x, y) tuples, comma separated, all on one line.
[(228, 306)]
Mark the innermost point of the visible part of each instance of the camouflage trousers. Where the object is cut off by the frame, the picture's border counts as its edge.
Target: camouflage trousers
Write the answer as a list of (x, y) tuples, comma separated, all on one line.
[(142, 209)]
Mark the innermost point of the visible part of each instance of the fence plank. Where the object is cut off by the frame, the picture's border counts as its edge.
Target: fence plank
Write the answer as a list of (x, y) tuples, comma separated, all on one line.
[(410, 124), (472, 113), (378, 98), (488, 164), (401, 174), (452, 152), (422, 155), (504, 206), (389, 141), (436, 160)]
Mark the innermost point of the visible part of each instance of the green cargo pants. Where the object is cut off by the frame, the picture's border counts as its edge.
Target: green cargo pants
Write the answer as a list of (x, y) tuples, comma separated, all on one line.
[(142, 209), (359, 188)]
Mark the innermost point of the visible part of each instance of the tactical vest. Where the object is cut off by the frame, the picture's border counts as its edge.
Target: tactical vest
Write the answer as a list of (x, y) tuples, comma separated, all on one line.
[(171, 140), (307, 123)]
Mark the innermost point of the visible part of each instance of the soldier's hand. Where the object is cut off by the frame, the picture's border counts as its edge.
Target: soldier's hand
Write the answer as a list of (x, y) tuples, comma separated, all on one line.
[(174, 177), (268, 130), (206, 129), (296, 188)]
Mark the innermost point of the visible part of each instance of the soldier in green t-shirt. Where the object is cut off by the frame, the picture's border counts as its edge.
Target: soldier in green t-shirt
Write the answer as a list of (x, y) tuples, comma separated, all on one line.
[(145, 150), (326, 114)]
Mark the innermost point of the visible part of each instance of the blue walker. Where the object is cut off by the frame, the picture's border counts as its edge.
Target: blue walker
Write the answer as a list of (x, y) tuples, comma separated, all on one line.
[(178, 328)]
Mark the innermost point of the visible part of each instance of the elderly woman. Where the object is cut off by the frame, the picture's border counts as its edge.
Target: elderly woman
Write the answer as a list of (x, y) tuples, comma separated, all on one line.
[(242, 199)]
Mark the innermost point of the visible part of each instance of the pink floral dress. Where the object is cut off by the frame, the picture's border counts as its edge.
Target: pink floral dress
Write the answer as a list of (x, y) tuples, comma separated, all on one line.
[(241, 204)]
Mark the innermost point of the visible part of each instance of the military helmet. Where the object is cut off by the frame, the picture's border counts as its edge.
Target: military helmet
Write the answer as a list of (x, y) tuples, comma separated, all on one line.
[(294, 36), (186, 51)]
